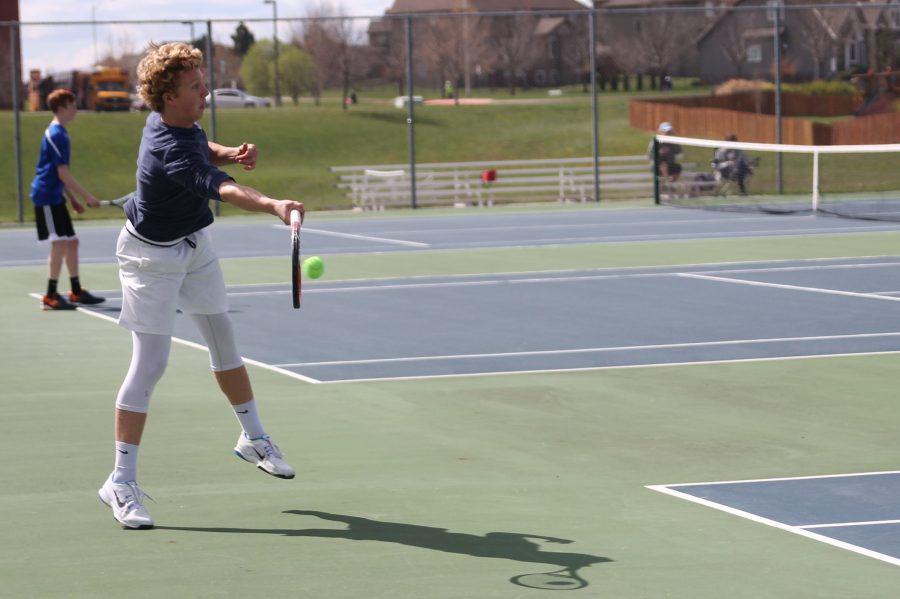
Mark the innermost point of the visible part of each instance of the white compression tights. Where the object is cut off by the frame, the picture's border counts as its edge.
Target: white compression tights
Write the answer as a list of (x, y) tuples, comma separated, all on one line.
[(151, 354)]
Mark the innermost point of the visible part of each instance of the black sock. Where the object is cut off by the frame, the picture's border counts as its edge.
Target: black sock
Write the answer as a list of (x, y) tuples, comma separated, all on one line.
[(76, 285), (51, 287)]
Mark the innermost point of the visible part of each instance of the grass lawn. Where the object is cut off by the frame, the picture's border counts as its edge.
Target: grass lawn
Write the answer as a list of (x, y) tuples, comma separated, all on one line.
[(297, 143)]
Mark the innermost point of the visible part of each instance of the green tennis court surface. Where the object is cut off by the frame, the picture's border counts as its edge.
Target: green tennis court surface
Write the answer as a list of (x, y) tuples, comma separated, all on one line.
[(442, 487)]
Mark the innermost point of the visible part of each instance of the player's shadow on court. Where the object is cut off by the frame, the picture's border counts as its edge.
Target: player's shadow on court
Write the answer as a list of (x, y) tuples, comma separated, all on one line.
[(504, 545)]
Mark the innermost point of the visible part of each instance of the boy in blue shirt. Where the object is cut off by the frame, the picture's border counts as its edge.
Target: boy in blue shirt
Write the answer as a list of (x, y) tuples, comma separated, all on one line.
[(53, 183)]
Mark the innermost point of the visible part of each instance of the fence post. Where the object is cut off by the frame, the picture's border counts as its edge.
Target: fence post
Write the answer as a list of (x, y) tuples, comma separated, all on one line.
[(779, 165), (16, 83), (594, 107), (211, 68), (410, 118)]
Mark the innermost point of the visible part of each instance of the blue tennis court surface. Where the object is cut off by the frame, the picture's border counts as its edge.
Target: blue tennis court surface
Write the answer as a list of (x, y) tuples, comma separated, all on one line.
[(608, 318), (542, 321), (858, 512), (255, 237)]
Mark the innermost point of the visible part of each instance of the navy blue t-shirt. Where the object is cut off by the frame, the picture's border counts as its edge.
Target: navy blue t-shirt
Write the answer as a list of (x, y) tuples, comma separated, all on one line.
[(175, 182)]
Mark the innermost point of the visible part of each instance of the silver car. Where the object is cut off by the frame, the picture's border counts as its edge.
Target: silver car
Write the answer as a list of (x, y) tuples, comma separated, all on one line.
[(236, 98)]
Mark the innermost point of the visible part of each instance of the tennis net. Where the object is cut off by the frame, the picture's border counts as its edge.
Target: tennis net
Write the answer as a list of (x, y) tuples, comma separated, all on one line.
[(861, 181)]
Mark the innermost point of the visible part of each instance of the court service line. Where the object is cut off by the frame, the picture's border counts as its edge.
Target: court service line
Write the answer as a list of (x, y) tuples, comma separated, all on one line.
[(778, 479), (402, 242), (776, 524), (673, 236), (788, 287), (601, 368), (520, 278), (473, 225), (588, 350), (846, 524), (894, 264), (193, 345)]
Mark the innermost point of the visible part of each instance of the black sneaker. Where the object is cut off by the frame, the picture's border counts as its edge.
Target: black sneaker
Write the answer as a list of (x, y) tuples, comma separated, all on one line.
[(57, 302), (85, 298)]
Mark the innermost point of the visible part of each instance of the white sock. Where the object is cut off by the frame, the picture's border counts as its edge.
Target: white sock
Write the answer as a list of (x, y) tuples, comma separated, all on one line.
[(126, 462), (249, 418)]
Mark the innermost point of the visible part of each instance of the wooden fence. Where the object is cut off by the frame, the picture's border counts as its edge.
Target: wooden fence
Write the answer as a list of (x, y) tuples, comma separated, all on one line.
[(763, 102), (876, 129), (717, 123)]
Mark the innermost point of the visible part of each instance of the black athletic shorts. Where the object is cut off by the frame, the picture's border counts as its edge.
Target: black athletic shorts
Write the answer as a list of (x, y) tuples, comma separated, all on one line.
[(53, 222)]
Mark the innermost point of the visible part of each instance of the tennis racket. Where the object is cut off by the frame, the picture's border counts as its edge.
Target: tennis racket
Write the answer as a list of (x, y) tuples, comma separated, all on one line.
[(118, 202), (296, 279)]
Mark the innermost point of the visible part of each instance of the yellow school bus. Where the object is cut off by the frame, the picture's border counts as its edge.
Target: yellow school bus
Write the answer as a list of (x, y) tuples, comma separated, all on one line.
[(109, 89)]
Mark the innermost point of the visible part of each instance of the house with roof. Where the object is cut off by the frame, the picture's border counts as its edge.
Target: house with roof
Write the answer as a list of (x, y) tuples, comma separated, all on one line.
[(652, 37), (533, 43), (816, 41)]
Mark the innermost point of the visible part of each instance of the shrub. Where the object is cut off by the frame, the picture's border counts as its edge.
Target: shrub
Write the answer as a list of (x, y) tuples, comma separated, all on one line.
[(733, 86), (820, 87)]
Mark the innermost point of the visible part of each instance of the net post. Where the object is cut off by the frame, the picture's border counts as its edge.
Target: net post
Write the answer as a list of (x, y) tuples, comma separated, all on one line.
[(815, 182), (655, 170)]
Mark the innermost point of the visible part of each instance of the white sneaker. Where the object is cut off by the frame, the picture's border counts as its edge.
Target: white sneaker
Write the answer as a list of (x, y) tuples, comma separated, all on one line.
[(126, 501), (265, 454)]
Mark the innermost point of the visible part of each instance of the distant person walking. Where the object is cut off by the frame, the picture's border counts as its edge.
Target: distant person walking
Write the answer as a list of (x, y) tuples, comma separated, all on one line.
[(52, 185)]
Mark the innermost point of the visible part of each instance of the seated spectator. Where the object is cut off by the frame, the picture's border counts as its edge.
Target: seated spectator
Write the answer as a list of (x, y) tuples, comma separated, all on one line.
[(731, 164), (668, 168)]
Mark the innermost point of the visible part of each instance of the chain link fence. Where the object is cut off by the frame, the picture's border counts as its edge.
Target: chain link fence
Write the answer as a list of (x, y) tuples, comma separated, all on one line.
[(414, 93)]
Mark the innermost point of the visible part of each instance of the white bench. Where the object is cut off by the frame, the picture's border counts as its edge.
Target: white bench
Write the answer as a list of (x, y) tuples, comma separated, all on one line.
[(376, 187)]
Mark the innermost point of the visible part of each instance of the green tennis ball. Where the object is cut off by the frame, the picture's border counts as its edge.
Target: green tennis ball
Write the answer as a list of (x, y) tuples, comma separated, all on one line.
[(313, 267)]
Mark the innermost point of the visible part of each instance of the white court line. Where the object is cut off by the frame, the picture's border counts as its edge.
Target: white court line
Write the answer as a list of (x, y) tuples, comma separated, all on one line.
[(781, 479), (521, 278), (670, 269), (373, 287), (789, 287), (544, 226), (607, 239), (645, 222), (811, 266), (848, 524), (806, 267), (365, 237), (599, 368), (193, 345), (775, 524), (555, 352)]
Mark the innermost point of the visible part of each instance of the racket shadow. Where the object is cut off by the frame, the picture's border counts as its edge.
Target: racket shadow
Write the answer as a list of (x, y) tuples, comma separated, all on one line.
[(518, 547)]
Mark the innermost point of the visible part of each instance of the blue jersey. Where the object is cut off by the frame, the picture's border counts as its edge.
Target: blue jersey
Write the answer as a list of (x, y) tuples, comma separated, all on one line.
[(47, 188), (175, 182)]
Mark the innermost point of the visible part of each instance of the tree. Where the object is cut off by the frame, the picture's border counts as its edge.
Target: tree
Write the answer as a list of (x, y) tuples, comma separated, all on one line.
[(296, 70), (257, 71), (243, 39), (576, 50), (514, 46), (736, 45), (335, 47), (452, 44), (652, 42)]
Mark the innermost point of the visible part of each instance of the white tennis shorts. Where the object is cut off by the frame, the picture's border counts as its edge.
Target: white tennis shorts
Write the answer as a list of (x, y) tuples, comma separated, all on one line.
[(157, 279)]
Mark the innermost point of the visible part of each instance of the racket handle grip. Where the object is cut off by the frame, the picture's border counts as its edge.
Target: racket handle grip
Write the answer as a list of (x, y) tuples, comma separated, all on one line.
[(295, 218)]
